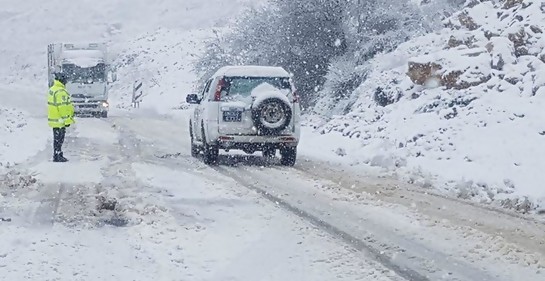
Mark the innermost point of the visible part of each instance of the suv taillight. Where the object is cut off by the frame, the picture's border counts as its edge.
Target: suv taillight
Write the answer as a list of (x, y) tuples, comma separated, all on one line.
[(219, 88)]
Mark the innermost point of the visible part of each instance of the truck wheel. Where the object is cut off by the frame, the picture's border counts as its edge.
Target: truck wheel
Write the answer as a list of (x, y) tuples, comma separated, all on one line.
[(211, 151), (289, 155)]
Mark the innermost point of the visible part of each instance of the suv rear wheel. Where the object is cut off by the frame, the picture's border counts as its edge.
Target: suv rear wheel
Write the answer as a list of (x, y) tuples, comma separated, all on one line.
[(211, 151), (288, 155), (194, 148)]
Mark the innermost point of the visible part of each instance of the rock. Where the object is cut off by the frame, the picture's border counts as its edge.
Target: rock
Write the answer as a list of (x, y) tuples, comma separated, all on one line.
[(502, 52), (451, 79), (513, 80), (454, 42), (508, 4), (519, 39), (457, 69), (540, 91), (421, 72), (106, 203), (387, 96), (472, 3), (467, 21), (521, 51), (340, 151), (489, 34), (535, 29)]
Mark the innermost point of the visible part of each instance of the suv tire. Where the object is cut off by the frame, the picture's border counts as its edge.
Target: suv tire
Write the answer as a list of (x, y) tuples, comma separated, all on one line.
[(288, 155), (194, 148), (211, 151), (271, 116)]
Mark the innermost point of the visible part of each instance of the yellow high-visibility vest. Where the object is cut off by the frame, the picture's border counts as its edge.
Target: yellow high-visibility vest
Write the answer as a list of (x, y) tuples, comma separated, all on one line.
[(60, 110)]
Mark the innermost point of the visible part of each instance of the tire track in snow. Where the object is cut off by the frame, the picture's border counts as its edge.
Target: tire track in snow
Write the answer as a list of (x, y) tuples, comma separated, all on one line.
[(442, 259), (522, 230), (351, 240)]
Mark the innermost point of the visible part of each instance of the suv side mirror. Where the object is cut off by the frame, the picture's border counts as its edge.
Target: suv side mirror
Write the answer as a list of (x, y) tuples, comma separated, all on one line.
[(192, 99)]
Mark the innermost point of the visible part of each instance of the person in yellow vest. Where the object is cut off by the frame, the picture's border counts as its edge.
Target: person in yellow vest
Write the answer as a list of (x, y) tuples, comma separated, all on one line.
[(60, 114)]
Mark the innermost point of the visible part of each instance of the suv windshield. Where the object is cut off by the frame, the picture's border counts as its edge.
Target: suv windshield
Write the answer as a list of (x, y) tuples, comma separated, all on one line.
[(240, 88), (77, 74)]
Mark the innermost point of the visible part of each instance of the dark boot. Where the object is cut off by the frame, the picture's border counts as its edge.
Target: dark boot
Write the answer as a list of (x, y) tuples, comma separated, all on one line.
[(62, 158), (58, 157)]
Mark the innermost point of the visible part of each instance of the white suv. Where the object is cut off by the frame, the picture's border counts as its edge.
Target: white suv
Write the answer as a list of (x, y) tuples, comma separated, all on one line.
[(250, 108)]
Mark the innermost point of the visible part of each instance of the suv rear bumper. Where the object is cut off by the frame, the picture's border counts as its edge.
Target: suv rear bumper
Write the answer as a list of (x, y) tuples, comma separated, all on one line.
[(256, 143)]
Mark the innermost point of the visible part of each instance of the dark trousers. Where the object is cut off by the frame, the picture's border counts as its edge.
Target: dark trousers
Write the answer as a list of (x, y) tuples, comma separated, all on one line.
[(58, 139)]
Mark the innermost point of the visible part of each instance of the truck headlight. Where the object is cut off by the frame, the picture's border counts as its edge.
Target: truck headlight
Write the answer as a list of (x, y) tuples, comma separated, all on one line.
[(105, 104)]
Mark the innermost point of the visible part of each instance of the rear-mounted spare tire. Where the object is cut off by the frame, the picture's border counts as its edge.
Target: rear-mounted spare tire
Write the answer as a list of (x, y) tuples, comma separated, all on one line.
[(271, 116)]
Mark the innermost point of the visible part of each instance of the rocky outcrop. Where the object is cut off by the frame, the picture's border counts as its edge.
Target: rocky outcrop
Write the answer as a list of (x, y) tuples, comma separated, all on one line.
[(453, 69), (454, 42), (502, 51), (520, 41), (508, 4), (420, 73), (467, 21)]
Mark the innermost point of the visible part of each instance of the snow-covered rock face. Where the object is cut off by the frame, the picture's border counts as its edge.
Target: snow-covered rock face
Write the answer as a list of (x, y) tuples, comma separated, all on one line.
[(462, 107)]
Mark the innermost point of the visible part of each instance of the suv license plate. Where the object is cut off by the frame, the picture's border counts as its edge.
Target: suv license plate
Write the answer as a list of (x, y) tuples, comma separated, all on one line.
[(232, 116)]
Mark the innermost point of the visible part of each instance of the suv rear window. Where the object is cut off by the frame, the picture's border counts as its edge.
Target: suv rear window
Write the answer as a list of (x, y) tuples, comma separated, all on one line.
[(238, 88)]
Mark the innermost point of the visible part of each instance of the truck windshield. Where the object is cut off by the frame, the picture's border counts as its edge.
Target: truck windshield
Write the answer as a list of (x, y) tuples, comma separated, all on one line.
[(77, 74)]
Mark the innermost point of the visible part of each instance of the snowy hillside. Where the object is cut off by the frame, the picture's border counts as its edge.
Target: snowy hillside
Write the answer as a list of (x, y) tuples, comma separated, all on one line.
[(460, 109)]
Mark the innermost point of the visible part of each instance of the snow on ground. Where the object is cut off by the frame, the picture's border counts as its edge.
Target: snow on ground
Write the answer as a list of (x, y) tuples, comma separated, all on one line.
[(235, 227), (174, 218), (94, 128), (77, 172), (23, 124), (479, 135)]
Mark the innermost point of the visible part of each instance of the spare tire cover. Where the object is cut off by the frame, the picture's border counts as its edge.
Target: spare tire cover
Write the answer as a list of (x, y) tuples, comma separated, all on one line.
[(271, 115)]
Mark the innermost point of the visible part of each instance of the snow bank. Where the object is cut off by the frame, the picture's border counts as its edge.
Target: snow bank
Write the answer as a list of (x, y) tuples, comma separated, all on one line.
[(23, 124), (460, 110)]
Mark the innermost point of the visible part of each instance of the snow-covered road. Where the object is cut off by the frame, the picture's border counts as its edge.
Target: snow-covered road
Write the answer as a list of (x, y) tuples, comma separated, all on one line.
[(246, 219)]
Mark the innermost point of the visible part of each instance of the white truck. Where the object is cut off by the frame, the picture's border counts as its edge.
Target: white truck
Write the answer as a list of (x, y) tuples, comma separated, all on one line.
[(89, 75)]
